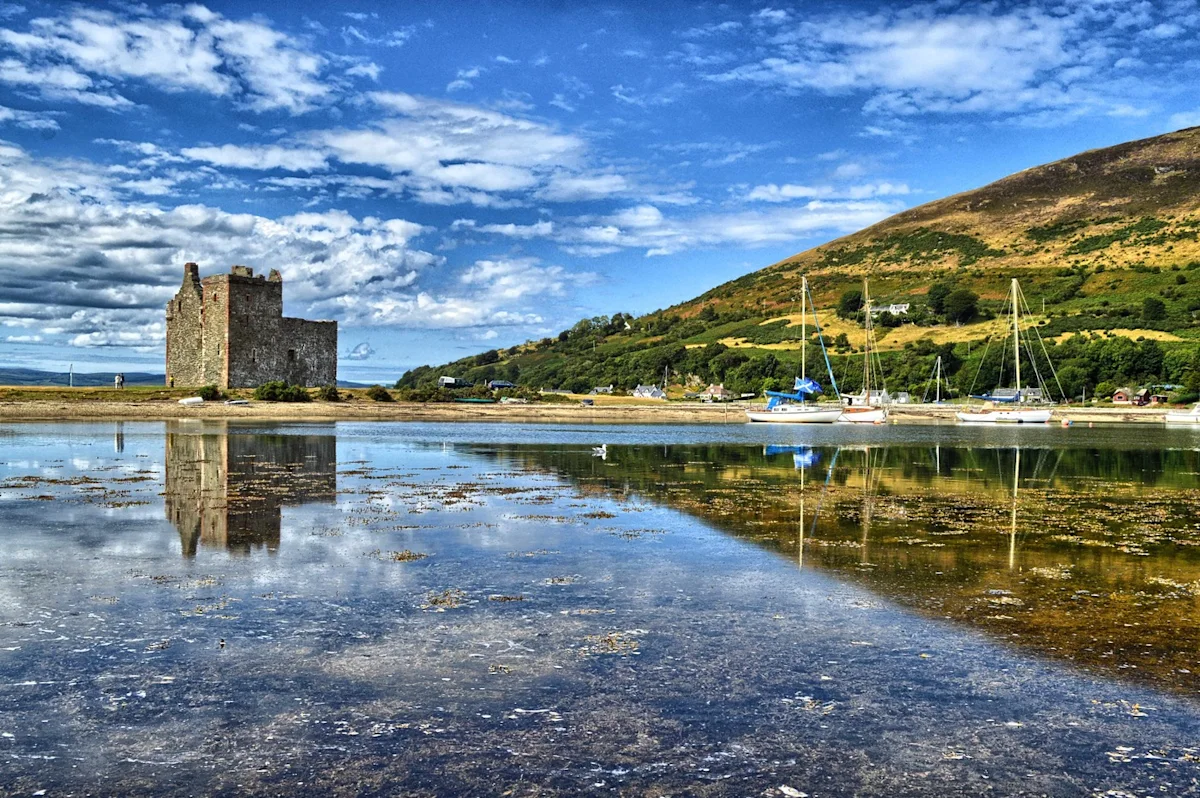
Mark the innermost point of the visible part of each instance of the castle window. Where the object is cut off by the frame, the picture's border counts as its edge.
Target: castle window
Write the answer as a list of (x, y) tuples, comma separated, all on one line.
[(292, 355)]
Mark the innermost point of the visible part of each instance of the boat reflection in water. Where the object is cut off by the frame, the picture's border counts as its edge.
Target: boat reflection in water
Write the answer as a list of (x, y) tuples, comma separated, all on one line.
[(1089, 554), (225, 489)]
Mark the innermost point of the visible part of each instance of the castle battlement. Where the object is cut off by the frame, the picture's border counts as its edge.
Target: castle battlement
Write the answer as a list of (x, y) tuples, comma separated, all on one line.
[(229, 330)]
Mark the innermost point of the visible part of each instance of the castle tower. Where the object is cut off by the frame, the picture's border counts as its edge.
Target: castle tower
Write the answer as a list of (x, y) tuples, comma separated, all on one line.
[(229, 330)]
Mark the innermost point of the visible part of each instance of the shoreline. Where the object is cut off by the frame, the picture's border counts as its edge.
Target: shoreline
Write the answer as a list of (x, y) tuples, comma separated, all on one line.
[(602, 413)]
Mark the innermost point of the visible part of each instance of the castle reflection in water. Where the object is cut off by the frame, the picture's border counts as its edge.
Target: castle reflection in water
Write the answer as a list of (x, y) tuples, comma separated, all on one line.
[(225, 488)]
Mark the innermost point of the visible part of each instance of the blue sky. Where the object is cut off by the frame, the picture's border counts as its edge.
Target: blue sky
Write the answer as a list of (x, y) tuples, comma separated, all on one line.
[(445, 178)]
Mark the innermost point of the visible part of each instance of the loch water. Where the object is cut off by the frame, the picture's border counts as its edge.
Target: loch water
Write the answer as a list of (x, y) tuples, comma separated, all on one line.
[(192, 608)]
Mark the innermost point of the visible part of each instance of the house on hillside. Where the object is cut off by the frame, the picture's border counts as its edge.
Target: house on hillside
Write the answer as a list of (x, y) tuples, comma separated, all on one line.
[(896, 309), (1147, 397), (1122, 396), (859, 399), (599, 389), (717, 393), (649, 392)]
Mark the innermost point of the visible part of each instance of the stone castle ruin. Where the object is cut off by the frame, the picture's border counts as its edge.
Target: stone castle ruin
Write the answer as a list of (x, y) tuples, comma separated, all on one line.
[(229, 330)]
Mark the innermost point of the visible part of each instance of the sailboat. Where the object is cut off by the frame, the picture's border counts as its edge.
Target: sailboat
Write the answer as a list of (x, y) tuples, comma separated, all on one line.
[(865, 411), (1179, 417), (794, 408), (936, 378), (1018, 415)]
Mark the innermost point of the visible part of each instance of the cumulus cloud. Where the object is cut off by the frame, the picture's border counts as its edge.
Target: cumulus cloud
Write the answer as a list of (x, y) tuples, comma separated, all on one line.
[(647, 228), (925, 58), (81, 265), (31, 120), (790, 191), (442, 152), (79, 53), (494, 293), (362, 351)]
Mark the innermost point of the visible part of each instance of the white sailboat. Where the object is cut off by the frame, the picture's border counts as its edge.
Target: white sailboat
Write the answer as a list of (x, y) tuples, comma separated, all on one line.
[(793, 408), (1180, 417), (1017, 415), (863, 410)]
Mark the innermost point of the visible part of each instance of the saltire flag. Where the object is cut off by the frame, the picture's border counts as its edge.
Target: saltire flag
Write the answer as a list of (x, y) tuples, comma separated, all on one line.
[(806, 386)]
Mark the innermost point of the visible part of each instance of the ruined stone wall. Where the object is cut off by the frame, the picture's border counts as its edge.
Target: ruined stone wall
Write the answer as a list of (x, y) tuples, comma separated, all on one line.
[(214, 340), (185, 330)]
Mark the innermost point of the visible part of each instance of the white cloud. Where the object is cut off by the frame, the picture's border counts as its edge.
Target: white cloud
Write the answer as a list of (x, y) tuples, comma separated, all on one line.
[(442, 152), (463, 79), (83, 267), (58, 82), (31, 120), (983, 59), (171, 48), (362, 351), (790, 191), (258, 157), (567, 187), (646, 227)]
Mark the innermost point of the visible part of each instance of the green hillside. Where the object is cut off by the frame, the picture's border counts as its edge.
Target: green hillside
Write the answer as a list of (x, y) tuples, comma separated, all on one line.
[(1106, 245)]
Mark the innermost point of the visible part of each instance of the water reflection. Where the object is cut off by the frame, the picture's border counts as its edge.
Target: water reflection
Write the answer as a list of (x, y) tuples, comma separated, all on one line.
[(225, 488), (1092, 555)]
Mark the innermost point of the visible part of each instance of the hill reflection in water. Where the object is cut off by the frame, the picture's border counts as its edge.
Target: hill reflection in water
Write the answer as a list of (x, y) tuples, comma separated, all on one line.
[(225, 488), (1089, 555)]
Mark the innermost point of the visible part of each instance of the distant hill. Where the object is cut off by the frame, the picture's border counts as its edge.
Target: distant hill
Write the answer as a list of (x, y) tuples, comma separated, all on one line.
[(1105, 243), (19, 376), (98, 379)]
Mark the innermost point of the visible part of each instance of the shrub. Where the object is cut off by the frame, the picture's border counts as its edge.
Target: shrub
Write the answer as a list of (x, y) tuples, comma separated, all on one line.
[(280, 391), (329, 393), (210, 393), (379, 394)]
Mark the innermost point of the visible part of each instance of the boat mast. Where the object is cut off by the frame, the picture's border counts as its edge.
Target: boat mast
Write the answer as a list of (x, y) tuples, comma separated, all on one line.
[(1016, 339), (803, 324), (939, 380), (867, 345)]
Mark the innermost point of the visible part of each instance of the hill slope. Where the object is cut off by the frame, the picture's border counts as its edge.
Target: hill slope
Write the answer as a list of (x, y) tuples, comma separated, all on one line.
[(1105, 241)]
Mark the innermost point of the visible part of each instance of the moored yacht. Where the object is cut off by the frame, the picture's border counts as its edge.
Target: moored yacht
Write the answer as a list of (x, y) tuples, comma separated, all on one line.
[(794, 407), (993, 412)]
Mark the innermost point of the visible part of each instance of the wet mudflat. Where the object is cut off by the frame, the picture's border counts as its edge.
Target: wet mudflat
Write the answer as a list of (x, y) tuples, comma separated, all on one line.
[(192, 608)]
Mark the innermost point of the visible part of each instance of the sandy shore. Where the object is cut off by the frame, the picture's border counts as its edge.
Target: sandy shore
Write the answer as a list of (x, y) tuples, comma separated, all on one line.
[(625, 413)]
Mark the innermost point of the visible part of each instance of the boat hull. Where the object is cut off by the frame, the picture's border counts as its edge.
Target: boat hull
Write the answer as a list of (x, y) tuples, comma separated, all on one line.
[(794, 414), (863, 415), (1006, 417)]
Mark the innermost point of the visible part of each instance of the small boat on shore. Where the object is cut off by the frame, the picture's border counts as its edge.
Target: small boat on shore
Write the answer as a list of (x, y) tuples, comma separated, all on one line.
[(1020, 416), (1179, 417)]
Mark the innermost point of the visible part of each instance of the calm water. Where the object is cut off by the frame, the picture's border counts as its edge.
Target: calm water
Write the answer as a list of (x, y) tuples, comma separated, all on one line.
[(190, 608)]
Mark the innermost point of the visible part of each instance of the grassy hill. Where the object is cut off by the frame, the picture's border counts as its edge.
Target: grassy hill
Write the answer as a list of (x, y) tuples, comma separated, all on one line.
[(1106, 245)]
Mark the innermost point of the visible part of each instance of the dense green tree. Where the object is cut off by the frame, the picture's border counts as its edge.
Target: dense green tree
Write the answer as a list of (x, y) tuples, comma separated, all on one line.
[(961, 305), (1153, 309), (936, 297), (850, 303)]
